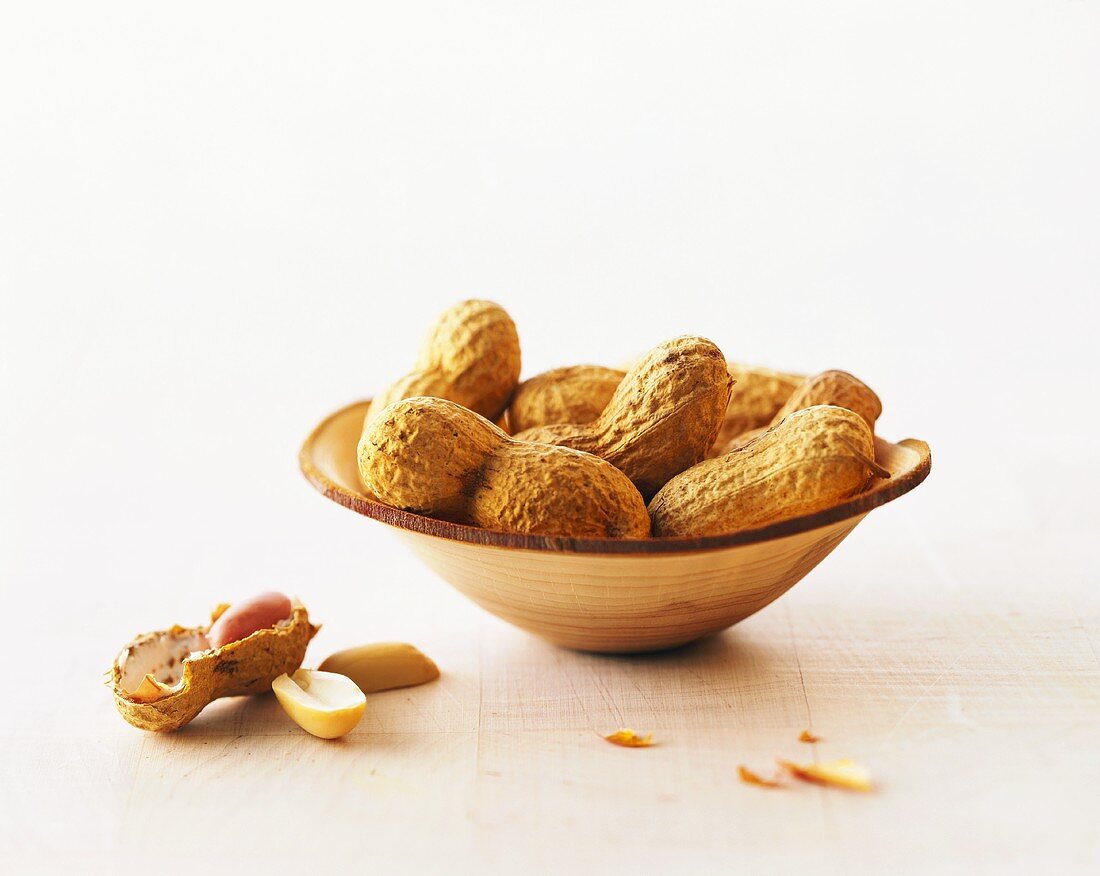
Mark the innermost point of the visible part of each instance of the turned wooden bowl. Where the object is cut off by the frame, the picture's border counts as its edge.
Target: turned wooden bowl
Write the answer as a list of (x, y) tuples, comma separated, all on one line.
[(611, 595)]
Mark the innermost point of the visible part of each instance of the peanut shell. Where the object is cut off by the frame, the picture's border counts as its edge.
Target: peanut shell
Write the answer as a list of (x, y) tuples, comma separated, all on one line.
[(827, 388), (757, 394), (834, 388), (162, 680), (471, 356), (813, 459), (436, 458), (662, 418), (577, 394)]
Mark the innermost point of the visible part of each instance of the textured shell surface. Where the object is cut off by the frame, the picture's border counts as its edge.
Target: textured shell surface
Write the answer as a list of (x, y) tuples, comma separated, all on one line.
[(424, 454), (662, 418), (576, 394), (813, 458), (757, 394), (470, 356), (436, 458), (834, 388), (525, 487)]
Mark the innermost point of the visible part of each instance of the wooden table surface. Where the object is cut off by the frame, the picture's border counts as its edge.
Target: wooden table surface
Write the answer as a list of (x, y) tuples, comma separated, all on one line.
[(957, 663), (217, 227)]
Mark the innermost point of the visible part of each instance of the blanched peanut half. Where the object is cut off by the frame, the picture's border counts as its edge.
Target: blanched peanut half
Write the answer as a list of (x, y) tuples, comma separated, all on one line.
[(322, 703), (383, 666)]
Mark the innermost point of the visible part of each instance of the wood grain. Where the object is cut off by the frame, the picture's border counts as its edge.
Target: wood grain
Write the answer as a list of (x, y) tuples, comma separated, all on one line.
[(953, 652), (976, 719), (611, 595)]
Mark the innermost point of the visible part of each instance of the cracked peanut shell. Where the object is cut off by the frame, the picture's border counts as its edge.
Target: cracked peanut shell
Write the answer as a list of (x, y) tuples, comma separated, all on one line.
[(162, 680)]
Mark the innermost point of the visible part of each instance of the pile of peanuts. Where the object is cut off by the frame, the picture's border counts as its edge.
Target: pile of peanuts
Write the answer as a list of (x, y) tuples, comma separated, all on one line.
[(684, 443)]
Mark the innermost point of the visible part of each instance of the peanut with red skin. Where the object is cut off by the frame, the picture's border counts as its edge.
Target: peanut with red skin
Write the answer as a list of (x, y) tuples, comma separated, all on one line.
[(244, 618)]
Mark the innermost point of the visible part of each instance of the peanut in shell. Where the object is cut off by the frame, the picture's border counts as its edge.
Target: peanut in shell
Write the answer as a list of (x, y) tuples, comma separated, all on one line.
[(834, 388), (757, 394), (471, 356), (577, 394), (662, 418), (436, 458), (827, 388), (813, 459)]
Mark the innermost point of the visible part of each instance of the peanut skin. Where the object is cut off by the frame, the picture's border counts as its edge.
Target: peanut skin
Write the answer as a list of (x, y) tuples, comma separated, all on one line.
[(811, 460), (662, 418), (244, 618), (471, 356), (577, 394), (436, 458)]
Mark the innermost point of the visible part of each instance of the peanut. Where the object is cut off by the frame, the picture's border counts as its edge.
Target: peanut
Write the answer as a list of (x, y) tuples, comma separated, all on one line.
[(834, 388), (577, 394), (662, 418), (382, 666), (814, 458), (757, 394), (436, 458), (322, 703), (471, 356), (827, 388), (162, 680), (244, 618)]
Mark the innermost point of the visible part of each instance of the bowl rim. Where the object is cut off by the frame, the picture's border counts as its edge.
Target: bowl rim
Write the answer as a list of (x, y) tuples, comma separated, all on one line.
[(882, 492)]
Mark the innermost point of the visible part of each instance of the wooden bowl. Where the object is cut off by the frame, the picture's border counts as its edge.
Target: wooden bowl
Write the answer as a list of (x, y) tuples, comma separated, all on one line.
[(611, 595)]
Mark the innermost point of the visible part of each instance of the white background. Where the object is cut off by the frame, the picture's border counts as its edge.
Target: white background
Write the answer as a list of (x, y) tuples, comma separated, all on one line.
[(218, 222)]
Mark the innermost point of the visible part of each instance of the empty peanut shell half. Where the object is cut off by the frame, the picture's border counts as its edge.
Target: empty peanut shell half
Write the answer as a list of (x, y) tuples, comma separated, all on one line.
[(164, 679)]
